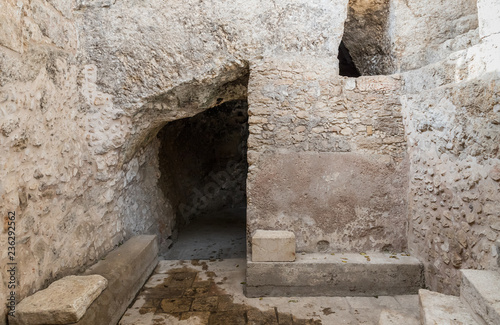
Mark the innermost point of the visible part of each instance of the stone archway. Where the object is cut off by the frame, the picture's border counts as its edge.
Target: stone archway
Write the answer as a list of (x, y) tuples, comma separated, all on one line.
[(203, 165), (158, 152)]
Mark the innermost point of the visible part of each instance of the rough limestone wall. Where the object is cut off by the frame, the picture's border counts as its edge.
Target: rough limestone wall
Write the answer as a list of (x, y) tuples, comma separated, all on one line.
[(180, 58), (61, 170), (84, 88), (366, 35), (140, 195), (326, 157), (455, 172), (44, 162), (452, 119), (426, 31)]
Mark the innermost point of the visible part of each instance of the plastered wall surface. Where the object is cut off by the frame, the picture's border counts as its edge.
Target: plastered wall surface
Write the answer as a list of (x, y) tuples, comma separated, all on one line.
[(326, 157)]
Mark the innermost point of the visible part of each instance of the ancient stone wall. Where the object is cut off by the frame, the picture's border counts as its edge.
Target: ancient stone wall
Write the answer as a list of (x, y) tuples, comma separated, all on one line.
[(45, 162), (424, 32), (390, 36), (452, 117), (326, 157), (454, 138), (84, 88), (366, 35)]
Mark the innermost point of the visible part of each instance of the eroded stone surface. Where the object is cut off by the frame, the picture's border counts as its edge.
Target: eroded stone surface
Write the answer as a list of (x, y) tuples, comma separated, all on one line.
[(393, 317), (453, 148), (336, 274), (489, 13), (326, 157), (64, 301)]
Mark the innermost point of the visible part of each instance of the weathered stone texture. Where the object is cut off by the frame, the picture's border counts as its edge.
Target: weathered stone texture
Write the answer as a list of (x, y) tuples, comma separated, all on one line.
[(453, 136), (86, 85), (427, 31), (306, 107), (437, 308), (194, 49), (326, 156), (126, 268), (64, 301), (140, 195), (489, 15), (451, 114), (349, 274), (367, 37), (83, 94), (480, 291)]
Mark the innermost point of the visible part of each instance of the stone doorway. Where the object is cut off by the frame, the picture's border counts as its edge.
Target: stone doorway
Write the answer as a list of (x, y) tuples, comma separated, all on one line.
[(203, 165)]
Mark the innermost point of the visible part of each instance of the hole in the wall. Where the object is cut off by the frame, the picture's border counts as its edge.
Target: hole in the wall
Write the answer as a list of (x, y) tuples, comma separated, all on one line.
[(366, 35), (323, 246), (203, 168), (347, 68)]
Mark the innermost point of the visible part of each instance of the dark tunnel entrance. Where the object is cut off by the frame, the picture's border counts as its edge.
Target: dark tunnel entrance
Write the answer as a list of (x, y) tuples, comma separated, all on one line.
[(347, 68), (203, 164)]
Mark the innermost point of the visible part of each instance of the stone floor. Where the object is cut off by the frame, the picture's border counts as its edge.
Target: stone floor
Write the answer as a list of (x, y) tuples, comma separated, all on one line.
[(214, 235), (211, 292), (201, 280)]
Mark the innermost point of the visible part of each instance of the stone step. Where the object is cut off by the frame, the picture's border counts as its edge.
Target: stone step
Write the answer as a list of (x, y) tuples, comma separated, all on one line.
[(481, 291), (437, 308), (349, 274), (397, 317)]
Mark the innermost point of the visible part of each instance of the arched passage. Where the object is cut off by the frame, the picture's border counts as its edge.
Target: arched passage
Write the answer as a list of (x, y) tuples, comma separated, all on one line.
[(188, 150), (203, 165)]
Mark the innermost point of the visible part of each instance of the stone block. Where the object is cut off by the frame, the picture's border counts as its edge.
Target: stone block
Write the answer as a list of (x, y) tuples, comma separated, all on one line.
[(349, 274), (480, 289), (273, 246), (378, 83), (126, 268), (437, 308), (64, 301)]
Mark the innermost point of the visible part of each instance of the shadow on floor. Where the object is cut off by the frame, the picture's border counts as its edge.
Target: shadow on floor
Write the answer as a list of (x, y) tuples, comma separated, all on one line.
[(215, 235)]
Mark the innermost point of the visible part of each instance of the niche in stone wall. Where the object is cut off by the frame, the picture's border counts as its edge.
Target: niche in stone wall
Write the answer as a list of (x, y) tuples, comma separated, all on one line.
[(366, 39), (203, 161)]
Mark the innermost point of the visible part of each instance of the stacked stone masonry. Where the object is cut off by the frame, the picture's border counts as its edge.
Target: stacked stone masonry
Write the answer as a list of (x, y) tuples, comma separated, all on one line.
[(326, 157), (408, 161)]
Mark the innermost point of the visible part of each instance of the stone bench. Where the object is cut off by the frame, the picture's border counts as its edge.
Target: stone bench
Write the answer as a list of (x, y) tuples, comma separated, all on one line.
[(65, 301), (86, 300), (349, 274)]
